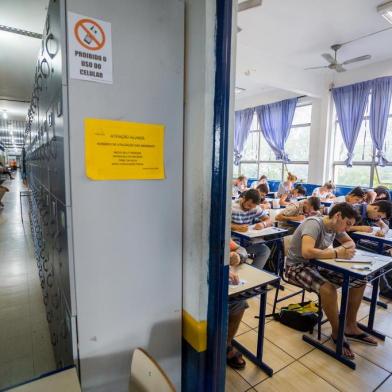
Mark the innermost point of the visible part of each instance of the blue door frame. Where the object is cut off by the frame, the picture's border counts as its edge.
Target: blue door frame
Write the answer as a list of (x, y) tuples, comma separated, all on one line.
[(218, 272)]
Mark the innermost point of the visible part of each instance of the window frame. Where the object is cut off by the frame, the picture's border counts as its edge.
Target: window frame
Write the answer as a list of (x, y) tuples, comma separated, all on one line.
[(372, 163), (283, 165)]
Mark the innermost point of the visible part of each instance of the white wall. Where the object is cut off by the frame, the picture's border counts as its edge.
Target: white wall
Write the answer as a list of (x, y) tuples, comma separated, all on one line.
[(128, 234)]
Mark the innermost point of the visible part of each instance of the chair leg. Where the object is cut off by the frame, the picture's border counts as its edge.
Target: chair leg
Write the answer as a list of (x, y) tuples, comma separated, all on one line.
[(303, 296), (276, 299)]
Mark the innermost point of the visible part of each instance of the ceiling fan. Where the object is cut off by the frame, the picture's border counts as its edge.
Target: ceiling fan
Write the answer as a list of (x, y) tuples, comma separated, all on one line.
[(333, 62)]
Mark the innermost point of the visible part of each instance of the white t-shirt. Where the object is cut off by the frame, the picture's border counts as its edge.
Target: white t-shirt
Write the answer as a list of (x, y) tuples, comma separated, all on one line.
[(322, 195)]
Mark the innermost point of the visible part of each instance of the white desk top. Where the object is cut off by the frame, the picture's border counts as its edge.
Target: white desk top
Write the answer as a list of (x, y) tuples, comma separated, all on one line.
[(387, 237), (65, 381), (252, 277), (252, 233), (377, 262)]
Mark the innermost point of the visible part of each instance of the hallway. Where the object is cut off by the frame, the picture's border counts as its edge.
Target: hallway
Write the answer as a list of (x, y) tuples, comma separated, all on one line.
[(25, 348)]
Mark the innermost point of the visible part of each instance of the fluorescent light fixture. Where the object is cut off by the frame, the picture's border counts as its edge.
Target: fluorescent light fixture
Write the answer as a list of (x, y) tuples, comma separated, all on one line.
[(5, 115), (385, 10)]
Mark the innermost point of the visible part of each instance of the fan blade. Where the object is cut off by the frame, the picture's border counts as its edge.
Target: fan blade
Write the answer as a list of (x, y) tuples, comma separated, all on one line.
[(324, 66), (339, 68), (328, 57), (247, 4), (356, 59)]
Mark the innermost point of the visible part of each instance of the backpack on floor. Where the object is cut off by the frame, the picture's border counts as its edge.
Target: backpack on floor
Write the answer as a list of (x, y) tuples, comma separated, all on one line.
[(302, 316)]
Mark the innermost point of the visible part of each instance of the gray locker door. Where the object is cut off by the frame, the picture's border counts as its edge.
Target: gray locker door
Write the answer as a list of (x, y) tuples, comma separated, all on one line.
[(127, 235)]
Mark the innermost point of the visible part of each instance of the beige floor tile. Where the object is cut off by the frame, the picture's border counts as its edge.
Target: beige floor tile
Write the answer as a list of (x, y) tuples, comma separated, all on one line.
[(15, 372), (366, 377), (234, 382), (15, 347), (380, 355), (382, 322), (242, 329), (273, 357), (295, 378), (252, 311), (386, 386), (288, 339)]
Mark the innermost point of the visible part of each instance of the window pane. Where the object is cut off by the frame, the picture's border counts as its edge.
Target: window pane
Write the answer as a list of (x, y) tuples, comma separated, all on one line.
[(388, 141), (297, 145), (251, 148), (302, 115), (357, 175), (385, 176), (301, 171), (236, 171), (273, 171), (266, 154), (249, 170), (363, 150)]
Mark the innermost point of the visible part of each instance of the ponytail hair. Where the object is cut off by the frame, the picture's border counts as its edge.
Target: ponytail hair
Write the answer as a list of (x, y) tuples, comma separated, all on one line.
[(329, 185), (291, 177)]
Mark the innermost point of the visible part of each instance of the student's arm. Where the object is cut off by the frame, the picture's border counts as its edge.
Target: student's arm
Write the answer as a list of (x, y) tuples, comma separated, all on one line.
[(266, 220), (309, 251), (282, 200), (345, 240), (383, 228), (241, 228), (370, 196), (362, 229)]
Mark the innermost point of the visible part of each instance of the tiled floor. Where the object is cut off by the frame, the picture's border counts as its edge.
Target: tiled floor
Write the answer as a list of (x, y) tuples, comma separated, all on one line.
[(25, 348), (299, 367)]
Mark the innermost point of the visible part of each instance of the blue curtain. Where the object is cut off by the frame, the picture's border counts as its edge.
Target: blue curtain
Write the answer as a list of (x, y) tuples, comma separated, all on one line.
[(379, 111), (350, 103), (275, 121), (243, 122)]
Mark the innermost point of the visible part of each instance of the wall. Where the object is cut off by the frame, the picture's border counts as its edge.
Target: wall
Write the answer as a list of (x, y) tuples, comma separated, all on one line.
[(128, 234)]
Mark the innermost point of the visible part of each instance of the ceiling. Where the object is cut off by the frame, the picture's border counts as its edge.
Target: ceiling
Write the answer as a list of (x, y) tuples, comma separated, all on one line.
[(292, 34), (17, 66)]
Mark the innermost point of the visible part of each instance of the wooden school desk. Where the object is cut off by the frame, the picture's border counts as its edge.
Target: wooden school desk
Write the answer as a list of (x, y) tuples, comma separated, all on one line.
[(380, 265), (255, 283)]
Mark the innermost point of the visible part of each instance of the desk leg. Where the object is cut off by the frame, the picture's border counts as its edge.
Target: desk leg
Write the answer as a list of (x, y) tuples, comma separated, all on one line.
[(373, 304), (342, 323), (258, 358)]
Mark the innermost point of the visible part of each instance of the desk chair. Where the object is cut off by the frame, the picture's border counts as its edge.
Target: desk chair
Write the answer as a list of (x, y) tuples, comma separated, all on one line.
[(147, 375), (320, 321)]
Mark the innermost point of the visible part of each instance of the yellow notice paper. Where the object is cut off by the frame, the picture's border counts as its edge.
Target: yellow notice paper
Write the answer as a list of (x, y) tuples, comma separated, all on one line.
[(120, 150)]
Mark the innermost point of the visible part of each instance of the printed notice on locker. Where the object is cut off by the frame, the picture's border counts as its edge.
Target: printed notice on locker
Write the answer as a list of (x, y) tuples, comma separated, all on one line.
[(90, 49), (120, 150)]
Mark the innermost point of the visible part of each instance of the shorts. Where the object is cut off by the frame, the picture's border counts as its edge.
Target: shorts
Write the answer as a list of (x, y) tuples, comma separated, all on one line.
[(311, 277), (237, 305)]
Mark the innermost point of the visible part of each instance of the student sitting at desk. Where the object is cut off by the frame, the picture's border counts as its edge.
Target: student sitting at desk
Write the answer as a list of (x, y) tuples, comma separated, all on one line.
[(263, 180), (239, 186), (293, 195), (356, 196), (324, 192), (264, 190), (246, 211), (236, 311), (373, 215), (298, 212), (382, 193), (238, 254), (312, 240), (286, 186)]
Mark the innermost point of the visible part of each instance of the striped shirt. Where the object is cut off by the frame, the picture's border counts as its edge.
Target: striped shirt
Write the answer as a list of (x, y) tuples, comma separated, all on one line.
[(241, 217)]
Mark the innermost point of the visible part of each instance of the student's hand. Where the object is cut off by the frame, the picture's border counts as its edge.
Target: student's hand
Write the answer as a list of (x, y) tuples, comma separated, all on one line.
[(233, 277), (300, 218), (365, 229), (234, 259), (380, 233), (242, 228), (260, 226), (345, 253)]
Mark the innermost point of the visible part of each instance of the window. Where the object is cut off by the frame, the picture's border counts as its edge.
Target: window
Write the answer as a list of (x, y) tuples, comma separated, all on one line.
[(258, 157), (364, 171)]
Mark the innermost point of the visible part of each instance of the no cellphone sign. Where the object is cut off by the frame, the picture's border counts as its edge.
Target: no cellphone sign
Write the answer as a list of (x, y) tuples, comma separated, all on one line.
[(90, 49)]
